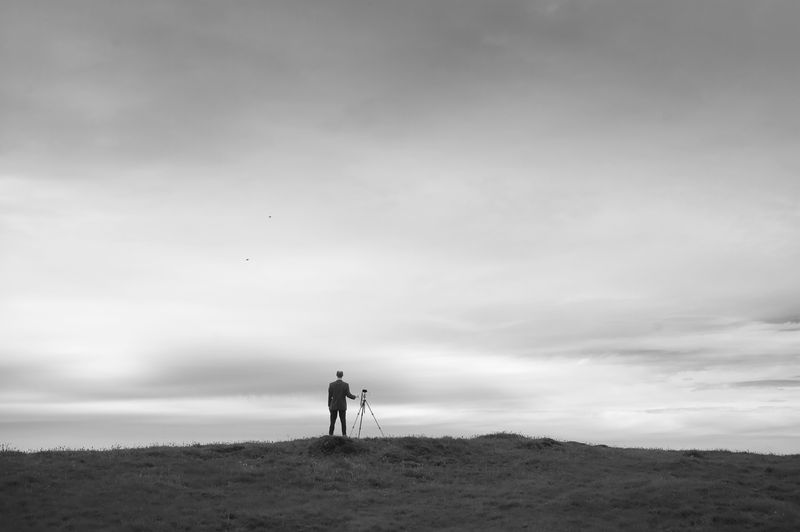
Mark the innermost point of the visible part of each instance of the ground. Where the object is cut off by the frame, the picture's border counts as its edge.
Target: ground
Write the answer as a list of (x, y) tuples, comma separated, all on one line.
[(493, 482)]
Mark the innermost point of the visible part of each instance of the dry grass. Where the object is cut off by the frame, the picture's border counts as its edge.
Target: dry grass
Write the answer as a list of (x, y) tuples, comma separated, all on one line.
[(494, 482)]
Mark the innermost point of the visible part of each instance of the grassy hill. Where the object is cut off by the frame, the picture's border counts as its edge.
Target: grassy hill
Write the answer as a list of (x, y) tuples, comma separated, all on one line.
[(494, 482)]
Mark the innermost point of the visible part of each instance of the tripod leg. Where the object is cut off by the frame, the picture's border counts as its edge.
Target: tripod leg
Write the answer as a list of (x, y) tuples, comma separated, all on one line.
[(373, 417), (360, 413), (355, 420)]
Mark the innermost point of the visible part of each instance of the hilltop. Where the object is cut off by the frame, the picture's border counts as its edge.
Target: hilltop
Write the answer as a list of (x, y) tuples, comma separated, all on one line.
[(493, 482)]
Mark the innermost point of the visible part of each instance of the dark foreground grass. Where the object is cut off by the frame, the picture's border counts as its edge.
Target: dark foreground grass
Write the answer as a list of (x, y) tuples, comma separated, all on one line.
[(495, 482)]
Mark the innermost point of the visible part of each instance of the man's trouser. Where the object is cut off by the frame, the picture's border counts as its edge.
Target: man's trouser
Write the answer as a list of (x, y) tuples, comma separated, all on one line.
[(342, 417)]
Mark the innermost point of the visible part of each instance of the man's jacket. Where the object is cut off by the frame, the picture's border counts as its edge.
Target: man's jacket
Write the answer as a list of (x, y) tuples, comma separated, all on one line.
[(338, 391)]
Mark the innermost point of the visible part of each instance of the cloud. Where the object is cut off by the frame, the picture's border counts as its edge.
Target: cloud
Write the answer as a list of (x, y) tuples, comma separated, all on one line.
[(209, 84), (768, 383), (413, 370), (195, 373)]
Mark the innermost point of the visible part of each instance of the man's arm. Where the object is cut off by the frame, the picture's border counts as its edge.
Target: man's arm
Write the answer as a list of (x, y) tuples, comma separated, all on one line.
[(330, 394), (347, 392)]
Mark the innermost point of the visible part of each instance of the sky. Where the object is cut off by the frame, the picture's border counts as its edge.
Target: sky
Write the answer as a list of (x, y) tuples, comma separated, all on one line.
[(568, 218)]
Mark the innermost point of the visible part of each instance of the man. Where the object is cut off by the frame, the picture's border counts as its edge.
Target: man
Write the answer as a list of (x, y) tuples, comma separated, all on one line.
[(338, 392)]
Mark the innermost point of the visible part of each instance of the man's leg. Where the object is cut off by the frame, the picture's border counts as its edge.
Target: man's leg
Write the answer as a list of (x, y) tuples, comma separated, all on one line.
[(343, 419), (333, 423)]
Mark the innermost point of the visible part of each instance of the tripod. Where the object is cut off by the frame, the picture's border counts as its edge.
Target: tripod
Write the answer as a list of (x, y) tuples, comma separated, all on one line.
[(360, 414)]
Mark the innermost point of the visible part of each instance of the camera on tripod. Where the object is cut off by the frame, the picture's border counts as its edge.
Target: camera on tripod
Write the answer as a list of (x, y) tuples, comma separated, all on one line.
[(360, 415)]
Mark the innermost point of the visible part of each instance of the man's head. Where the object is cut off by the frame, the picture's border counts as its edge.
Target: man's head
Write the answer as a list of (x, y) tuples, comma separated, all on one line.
[(340, 374)]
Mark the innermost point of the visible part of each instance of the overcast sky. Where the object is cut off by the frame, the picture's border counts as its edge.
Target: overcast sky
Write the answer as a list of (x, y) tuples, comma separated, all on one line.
[(567, 218)]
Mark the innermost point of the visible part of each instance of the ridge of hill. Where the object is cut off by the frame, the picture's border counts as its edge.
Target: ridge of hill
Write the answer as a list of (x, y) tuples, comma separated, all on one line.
[(494, 482)]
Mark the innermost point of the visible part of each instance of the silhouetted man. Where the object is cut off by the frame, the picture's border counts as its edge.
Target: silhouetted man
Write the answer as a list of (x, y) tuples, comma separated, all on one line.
[(338, 392)]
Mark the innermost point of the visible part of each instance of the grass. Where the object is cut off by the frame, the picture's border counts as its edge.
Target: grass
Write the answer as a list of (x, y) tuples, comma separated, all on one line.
[(494, 482)]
